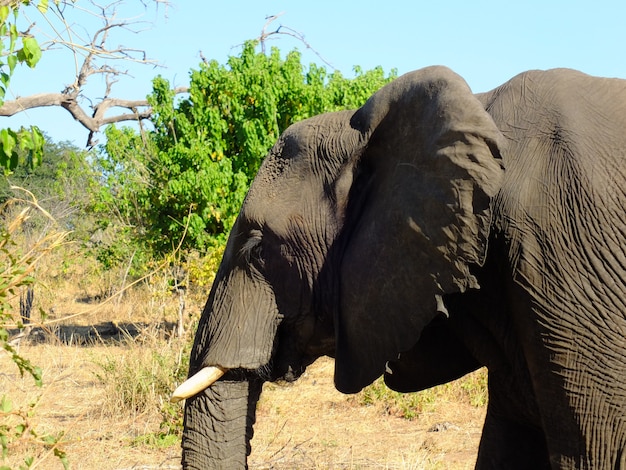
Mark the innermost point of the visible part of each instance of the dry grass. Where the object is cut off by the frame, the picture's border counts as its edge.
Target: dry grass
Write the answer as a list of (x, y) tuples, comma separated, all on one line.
[(309, 425), (73, 401), (304, 425)]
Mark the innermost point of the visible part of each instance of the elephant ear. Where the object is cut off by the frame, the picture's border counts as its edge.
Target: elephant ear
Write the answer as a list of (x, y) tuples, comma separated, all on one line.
[(418, 216)]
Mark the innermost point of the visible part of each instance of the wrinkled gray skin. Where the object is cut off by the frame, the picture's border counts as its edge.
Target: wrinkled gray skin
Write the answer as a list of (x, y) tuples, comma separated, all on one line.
[(437, 231)]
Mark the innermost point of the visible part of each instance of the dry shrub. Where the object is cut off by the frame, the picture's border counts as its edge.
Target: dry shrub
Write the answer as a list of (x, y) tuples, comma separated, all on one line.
[(18, 261), (141, 379)]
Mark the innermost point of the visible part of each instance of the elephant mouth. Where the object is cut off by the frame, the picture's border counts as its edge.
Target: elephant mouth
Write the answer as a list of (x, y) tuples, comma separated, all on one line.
[(207, 376)]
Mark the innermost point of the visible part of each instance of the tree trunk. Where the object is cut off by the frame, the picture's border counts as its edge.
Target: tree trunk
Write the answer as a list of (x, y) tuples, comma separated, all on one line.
[(218, 426)]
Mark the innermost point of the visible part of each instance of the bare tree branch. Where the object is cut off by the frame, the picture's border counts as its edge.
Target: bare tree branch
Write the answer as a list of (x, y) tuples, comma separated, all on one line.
[(69, 102), (10, 108), (92, 56), (285, 31)]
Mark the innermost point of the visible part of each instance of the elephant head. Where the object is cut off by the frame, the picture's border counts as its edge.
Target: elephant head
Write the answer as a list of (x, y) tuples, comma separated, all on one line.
[(356, 225)]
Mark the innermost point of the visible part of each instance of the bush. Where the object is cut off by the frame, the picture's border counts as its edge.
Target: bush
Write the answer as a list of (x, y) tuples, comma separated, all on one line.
[(142, 379), (186, 179), (471, 389)]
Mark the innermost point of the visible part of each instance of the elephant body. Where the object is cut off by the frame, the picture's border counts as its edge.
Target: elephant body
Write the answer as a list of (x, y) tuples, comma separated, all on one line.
[(424, 235), (560, 220)]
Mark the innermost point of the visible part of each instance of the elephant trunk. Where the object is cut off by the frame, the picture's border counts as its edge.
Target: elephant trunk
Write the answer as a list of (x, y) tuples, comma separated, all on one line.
[(218, 425)]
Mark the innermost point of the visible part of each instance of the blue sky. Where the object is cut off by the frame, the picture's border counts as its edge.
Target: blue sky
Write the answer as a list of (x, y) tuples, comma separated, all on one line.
[(485, 41)]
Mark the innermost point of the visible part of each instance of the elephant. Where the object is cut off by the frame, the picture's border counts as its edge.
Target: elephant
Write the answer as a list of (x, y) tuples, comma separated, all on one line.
[(422, 236)]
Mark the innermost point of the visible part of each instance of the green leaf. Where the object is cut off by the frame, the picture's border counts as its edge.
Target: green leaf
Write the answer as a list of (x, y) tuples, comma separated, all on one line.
[(13, 34), (25, 139), (7, 141), (12, 62), (30, 52), (5, 404), (4, 442), (38, 137), (37, 374), (35, 155), (43, 6), (4, 13), (62, 457)]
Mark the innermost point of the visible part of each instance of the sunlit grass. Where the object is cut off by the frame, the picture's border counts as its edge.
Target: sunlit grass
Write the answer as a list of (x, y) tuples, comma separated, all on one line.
[(141, 380), (470, 389)]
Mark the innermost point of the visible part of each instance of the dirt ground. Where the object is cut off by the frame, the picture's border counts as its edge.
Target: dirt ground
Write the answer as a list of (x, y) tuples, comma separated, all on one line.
[(304, 425), (310, 425)]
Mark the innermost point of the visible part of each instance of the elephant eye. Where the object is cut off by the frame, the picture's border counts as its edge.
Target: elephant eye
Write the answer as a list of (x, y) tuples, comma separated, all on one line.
[(251, 251)]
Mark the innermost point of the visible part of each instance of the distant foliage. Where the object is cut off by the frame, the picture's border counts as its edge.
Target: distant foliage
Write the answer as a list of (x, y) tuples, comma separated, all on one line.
[(187, 178), (61, 175), (71, 189)]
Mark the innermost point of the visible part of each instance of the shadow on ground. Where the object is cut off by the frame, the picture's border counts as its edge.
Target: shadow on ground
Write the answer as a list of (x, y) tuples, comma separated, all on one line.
[(89, 335)]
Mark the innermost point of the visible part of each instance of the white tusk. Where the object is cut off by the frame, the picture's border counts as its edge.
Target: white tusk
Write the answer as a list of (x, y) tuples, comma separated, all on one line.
[(201, 380)]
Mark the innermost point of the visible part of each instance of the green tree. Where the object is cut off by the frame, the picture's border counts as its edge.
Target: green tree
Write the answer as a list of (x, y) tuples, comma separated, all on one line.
[(76, 196), (64, 180), (197, 163)]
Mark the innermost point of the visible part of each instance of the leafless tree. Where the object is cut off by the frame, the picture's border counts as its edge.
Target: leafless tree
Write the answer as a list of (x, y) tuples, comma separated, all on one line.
[(283, 30), (93, 55)]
